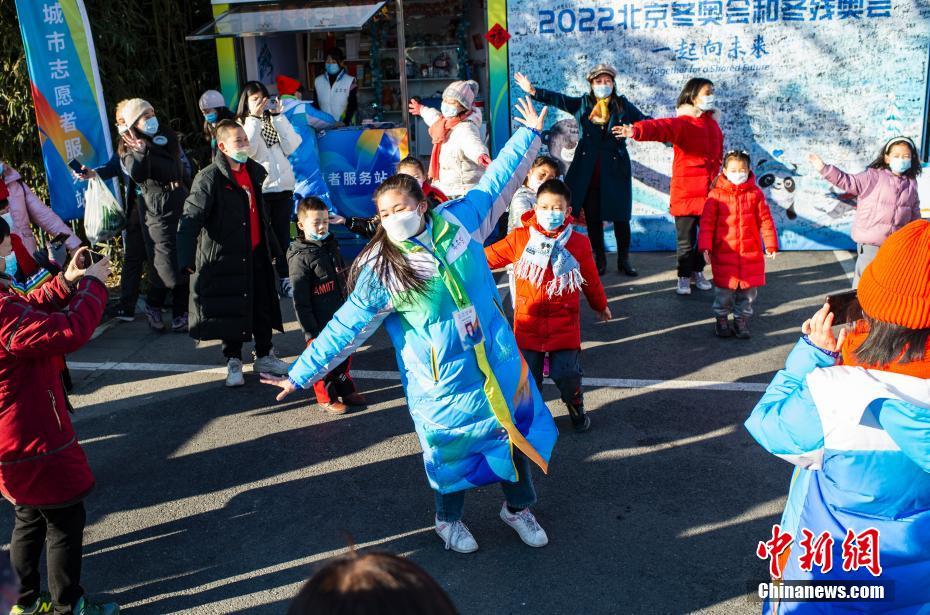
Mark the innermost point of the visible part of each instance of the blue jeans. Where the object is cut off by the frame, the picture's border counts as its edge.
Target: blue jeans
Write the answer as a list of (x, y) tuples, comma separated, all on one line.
[(519, 495), (737, 301)]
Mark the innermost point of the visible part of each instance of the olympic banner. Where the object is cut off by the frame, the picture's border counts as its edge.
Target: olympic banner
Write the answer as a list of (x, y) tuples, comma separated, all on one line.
[(834, 77), (70, 110)]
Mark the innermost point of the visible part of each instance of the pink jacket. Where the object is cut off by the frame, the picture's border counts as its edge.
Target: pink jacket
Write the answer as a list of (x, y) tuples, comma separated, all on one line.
[(26, 208), (886, 201)]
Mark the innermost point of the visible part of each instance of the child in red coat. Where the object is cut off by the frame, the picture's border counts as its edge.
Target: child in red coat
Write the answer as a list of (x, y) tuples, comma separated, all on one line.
[(698, 145), (552, 267), (731, 241)]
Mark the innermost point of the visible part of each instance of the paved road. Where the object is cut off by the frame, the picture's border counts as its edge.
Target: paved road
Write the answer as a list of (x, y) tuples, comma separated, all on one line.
[(212, 500)]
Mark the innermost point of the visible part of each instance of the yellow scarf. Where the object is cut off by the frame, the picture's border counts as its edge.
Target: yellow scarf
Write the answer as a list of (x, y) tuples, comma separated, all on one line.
[(600, 114)]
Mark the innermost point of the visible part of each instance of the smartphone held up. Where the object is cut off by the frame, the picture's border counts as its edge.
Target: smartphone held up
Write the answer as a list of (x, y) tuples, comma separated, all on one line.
[(845, 307)]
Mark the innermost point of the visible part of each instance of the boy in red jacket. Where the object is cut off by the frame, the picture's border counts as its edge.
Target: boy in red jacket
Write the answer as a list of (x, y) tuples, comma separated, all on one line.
[(552, 266), (730, 240)]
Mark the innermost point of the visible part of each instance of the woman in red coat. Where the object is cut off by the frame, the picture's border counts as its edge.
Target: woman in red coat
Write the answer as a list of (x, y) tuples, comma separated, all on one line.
[(698, 149), (43, 471), (735, 223)]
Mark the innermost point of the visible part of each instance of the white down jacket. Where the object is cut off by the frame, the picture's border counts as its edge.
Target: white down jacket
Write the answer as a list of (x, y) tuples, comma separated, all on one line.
[(459, 170), (274, 159)]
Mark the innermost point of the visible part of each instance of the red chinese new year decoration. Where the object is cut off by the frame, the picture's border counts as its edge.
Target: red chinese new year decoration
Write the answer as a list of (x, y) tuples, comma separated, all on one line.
[(497, 36)]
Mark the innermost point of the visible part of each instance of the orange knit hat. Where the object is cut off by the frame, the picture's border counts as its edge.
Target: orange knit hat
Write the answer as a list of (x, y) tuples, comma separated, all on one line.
[(895, 287)]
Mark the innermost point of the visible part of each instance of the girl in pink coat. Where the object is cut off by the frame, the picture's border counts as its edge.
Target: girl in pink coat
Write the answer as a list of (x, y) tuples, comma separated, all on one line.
[(887, 196), (26, 208)]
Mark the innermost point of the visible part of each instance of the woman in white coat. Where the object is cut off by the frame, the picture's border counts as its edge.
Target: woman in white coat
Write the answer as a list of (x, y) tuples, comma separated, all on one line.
[(459, 155), (271, 140)]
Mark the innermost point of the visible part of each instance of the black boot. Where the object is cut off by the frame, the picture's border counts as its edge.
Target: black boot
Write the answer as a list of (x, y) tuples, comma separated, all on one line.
[(580, 420), (741, 327), (601, 261), (722, 327), (625, 266)]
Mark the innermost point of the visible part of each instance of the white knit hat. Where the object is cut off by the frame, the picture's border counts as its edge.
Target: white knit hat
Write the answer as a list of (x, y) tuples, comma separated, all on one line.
[(133, 110), (211, 99), (463, 92)]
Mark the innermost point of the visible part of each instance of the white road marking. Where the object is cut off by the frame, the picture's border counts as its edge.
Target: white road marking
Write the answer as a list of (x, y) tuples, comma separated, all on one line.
[(847, 261), (608, 383)]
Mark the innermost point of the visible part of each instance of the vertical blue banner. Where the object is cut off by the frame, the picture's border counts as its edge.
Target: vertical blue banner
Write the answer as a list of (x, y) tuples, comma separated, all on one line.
[(67, 95)]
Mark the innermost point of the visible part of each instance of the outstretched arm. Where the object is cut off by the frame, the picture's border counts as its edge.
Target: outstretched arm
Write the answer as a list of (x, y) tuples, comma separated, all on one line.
[(481, 207), (359, 317)]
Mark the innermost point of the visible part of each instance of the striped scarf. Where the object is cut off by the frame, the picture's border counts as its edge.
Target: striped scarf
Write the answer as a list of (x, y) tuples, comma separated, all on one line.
[(540, 252)]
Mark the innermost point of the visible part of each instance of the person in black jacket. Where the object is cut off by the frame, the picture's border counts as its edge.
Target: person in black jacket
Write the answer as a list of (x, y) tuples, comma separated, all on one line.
[(226, 244), (318, 277), (600, 176), (152, 156)]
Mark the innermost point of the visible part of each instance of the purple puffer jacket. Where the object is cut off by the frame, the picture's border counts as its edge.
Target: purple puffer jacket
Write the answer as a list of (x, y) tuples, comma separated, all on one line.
[(886, 201)]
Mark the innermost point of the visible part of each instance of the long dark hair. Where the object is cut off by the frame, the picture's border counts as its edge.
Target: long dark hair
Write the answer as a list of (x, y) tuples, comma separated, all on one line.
[(250, 87), (887, 343), (691, 90), (373, 584), (879, 162), (386, 261)]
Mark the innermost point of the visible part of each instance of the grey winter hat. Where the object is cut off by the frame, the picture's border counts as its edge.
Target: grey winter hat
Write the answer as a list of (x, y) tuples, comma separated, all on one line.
[(211, 99), (602, 69), (462, 92)]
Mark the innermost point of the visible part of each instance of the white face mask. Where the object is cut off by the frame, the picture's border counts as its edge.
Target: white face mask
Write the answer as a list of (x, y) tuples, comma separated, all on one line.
[(533, 184), (737, 178), (403, 225), (705, 103), (568, 155)]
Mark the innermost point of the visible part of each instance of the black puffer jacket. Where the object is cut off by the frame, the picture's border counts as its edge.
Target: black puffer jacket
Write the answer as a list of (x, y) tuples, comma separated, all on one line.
[(318, 276), (214, 240), (163, 180)]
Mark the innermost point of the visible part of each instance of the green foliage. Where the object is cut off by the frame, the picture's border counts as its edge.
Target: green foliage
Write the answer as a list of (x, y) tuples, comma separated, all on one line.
[(141, 52)]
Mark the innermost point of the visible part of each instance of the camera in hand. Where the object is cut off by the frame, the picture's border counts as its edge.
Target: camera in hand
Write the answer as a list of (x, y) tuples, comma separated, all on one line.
[(845, 307)]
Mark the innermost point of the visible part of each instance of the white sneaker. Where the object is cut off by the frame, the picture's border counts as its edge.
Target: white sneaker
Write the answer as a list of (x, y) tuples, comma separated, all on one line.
[(271, 364), (701, 282), (684, 286), (456, 536), (234, 376), (526, 526)]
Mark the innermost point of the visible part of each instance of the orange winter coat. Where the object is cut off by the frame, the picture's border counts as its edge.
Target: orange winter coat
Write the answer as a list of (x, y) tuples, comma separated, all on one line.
[(542, 323), (735, 222)]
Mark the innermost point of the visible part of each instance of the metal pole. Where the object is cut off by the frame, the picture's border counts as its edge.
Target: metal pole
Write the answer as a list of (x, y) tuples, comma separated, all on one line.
[(402, 65)]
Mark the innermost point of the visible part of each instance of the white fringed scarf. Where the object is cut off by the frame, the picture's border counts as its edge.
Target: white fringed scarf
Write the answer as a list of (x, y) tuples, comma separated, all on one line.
[(540, 252)]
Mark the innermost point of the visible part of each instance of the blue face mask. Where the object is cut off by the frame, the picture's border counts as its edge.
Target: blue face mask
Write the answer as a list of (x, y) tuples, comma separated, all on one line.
[(210, 117), (449, 110), (550, 220), (316, 237), (603, 90), (11, 265), (332, 69), (900, 165), (150, 126)]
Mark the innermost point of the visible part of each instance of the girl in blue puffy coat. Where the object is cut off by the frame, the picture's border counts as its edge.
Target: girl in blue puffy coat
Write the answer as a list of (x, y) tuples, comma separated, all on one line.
[(477, 411)]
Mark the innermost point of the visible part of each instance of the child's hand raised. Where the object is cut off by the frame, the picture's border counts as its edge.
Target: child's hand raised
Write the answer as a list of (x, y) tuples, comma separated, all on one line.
[(816, 162), (414, 108), (604, 315), (623, 132)]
